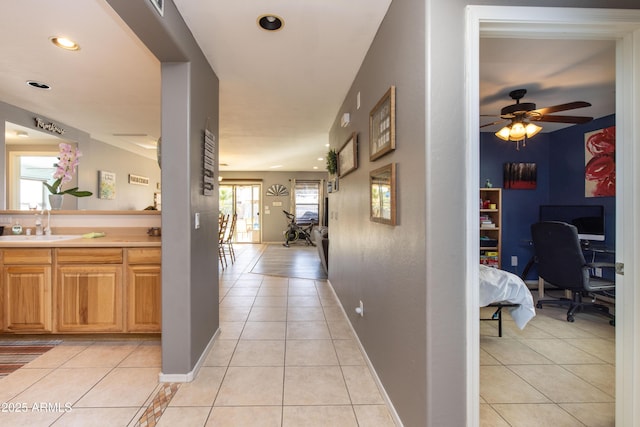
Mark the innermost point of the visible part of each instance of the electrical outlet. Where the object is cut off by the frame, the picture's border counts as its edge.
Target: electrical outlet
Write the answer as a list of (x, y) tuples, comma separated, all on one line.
[(196, 220), (514, 261)]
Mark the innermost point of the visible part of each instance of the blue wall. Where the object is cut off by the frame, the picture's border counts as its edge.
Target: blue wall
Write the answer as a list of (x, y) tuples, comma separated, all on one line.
[(559, 157)]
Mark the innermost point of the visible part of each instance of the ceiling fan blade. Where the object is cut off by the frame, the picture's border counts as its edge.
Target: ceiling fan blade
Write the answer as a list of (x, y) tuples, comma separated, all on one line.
[(563, 107), (563, 119), (491, 124)]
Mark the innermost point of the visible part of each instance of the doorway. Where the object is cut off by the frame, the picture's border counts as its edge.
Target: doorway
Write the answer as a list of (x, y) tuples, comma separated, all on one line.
[(624, 27), (243, 199)]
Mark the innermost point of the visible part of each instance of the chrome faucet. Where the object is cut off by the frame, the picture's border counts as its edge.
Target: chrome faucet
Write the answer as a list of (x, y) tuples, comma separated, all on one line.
[(47, 229), (39, 228)]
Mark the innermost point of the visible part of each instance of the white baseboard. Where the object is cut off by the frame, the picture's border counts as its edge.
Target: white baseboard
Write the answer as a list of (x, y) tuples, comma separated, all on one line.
[(383, 392), (191, 375)]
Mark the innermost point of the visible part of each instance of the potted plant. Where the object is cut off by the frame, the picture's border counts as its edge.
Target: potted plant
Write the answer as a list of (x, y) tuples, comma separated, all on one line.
[(332, 161), (68, 160)]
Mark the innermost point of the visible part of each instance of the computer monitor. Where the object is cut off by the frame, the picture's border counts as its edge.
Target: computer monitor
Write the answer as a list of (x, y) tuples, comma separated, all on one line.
[(588, 219)]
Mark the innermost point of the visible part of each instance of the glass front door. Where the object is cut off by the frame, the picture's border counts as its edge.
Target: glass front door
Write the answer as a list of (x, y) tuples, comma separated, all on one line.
[(243, 200)]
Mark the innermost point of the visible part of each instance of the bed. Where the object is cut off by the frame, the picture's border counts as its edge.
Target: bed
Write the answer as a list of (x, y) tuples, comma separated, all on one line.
[(501, 289)]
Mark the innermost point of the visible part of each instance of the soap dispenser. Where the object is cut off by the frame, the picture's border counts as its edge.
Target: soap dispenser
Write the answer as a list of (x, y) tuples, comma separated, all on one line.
[(17, 228)]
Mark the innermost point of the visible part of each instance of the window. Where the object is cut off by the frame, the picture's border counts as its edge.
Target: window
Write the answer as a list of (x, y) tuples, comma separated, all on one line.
[(307, 201), (28, 172)]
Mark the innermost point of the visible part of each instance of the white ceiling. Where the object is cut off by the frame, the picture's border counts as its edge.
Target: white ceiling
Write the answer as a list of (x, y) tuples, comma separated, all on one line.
[(279, 91)]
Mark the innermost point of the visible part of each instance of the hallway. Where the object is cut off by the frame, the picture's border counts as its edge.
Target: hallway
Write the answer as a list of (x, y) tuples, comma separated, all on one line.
[(286, 356)]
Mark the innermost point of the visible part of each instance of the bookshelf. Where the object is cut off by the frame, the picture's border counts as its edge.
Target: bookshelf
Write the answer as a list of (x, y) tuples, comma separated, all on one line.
[(491, 226)]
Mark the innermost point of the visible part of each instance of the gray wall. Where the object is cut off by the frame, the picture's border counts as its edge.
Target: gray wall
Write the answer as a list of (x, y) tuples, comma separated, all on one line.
[(273, 223), (411, 277), (189, 256)]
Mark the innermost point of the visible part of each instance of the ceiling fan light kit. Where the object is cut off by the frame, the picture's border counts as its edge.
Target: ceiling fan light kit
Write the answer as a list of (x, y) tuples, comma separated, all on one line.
[(521, 115)]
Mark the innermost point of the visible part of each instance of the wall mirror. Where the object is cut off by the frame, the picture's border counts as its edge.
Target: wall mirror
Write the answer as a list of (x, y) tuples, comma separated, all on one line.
[(382, 191)]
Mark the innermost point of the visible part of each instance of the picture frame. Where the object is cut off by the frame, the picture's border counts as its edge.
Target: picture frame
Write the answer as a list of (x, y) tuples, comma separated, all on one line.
[(382, 126), (106, 185), (382, 195), (348, 156)]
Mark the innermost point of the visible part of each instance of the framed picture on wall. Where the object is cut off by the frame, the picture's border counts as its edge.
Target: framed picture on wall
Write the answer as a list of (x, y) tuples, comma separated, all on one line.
[(106, 185), (382, 194), (520, 176), (382, 126), (348, 156)]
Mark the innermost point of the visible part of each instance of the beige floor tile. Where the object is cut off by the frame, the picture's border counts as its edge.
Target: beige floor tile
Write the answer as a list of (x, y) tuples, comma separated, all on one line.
[(296, 282), (560, 385), (361, 386), (500, 385), (96, 417), (329, 301), (231, 301), (512, 352), (230, 330), (315, 330), (318, 416), (536, 415), (145, 356), (221, 353), (340, 330), (303, 291), (315, 385), (373, 416), (311, 353), (487, 359), (254, 416), (593, 414), (559, 327), (561, 352), (304, 301), (184, 417), (56, 356), (273, 301), (202, 391), (122, 387), (63, 386), (490, 418), (349, 353), (268, 314), (600, 376), (302, 314), (273, 292), (29, 418), (234, 314), (259, 353), (334, 313), (238, 291), (603, 349), (264, 331), (100, 355), (18, 381), (256, 386), (274, 282)]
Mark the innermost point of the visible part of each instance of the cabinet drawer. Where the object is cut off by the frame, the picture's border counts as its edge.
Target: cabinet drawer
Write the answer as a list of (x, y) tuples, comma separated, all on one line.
[(89, 255), (27, 256), (144, 255)]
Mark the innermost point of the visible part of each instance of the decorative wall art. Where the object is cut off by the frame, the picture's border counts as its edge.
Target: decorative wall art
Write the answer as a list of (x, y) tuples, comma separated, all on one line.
[(208, 162), (600, 163), (520, 176), (106, 185), (277, 190), (382, 125), (138, 180), (348, 156), (382, 192)]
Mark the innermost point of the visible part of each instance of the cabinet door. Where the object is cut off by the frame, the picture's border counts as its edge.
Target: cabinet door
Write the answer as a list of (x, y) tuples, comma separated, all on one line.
[(27, 298), (89, 298), (144, 301)]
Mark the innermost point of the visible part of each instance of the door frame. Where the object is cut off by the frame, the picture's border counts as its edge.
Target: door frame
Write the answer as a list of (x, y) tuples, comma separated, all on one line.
[(555, 22)]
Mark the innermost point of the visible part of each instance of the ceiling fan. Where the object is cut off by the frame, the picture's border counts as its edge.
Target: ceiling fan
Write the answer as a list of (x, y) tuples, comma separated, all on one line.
[(522, 114)]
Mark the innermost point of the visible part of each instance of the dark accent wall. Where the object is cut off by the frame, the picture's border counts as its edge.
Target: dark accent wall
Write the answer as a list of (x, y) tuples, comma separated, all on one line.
[(559, 157)]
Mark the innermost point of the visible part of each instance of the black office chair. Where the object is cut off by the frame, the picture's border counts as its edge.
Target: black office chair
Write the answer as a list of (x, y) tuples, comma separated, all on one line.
[(561, 263)]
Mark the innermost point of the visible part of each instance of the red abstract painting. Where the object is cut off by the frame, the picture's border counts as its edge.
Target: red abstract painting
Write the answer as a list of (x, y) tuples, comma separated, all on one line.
[(600, 163)]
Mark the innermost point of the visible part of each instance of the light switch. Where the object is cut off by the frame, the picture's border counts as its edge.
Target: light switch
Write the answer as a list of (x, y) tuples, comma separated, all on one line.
[(197, 220)]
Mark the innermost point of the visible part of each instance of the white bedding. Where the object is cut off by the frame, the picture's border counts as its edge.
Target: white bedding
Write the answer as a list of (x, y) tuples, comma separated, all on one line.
[(502, 286)]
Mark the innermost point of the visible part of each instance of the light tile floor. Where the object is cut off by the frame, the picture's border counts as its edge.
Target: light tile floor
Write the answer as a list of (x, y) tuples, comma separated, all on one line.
[(285, 356), (551, 373)]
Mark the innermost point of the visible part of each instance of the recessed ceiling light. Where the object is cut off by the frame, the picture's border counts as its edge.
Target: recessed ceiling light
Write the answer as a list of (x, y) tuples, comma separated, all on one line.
[(38, 85), (270, 22), (275, 166), (320, 158), (315, 167), (64, 43), (22, 134)]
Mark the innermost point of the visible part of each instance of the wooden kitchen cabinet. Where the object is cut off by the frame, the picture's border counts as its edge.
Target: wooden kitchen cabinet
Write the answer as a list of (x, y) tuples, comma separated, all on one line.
[(144, 287), (25, 290), (89, 290)]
